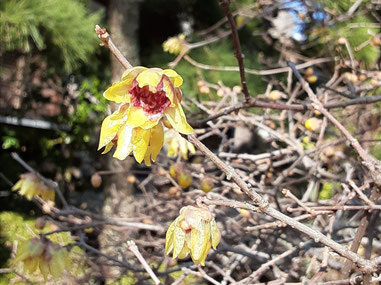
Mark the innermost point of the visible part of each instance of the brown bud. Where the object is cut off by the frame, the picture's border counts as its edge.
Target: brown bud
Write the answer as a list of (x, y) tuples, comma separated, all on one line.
[(96, 180), (206, 184), (40, 223)]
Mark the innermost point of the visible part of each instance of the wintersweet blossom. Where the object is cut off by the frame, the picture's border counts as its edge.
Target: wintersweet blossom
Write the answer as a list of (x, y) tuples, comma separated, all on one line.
[(150, 94), (146, 96), (177, 145), (194, 232), (175, 45), (30, 185), (43, 254)]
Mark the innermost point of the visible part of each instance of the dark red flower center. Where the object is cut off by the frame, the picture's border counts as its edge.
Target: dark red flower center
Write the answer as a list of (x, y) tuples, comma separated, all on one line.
[(152, 103)]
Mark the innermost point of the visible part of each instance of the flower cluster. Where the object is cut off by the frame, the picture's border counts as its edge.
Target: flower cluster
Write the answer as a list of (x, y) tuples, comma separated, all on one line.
[(146, 96), (45, 255), (177, 145), (175, 45), (194, 232), (30, 185)]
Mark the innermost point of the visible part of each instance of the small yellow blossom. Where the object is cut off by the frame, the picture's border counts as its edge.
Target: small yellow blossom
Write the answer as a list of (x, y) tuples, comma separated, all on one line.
[(30, 185), (194, 232), (49, 257), (276, 95), (175, 45), (146, 96), (313, 124), (177, 145)]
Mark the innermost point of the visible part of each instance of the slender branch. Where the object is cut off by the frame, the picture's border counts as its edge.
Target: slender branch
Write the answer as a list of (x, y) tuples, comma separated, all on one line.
[(104, 36), (237, 47), (132, 246)]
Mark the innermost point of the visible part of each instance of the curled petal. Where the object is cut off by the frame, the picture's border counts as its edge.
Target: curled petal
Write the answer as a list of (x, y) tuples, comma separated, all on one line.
[(175, 78), (140, 141), (149, 77), (130, 74), (169, 236), (118, 92), (110, 126), (176, 118)]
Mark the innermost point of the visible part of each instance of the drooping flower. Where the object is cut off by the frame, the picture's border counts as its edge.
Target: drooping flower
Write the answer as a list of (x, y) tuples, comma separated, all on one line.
[(175, 45), (177, 145), (30, 185), (194, 232), (43, 254), (150, 94), (147, 96)]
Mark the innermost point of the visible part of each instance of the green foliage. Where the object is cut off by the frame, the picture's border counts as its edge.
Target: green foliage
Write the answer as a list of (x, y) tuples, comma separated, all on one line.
[(357, 36), (10, 140), (63, 25), (328, 190)]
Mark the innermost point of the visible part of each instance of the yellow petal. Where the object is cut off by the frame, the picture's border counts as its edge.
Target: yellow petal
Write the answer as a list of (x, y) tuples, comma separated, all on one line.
[(169, 236), (17, 185), (130, 74), (198, 242), (176, 117), (140, 141), (110, 126), (176, 79), (124, 146), (205, 254), (136, 117), (178, 241), (169, 90), (150, 77), (31, 264), (108, 147), (184, 252), (215, 234), (44, 268), (155, 144), (118, 92)]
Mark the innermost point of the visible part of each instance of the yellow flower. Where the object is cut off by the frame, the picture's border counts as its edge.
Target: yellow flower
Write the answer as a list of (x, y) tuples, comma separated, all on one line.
[(313, 124), (144, 144), (175, 45), (30, 185), (49, 257), (150, 93), (194, 232), (178, 145), (147, 96)]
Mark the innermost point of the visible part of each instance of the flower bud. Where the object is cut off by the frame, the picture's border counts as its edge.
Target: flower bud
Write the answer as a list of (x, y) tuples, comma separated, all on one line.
[(342, 41), (245, 213), (276, 95), (311, 79), (206, 184), (40, 223), (96, 180), (313, 124), (184, 179), (204, 89)]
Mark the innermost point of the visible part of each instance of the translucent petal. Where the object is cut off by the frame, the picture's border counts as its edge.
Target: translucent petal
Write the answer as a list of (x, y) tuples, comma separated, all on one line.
[(110, 126), (118, 92), (136, 117), (108, 148), (130, 74), (140, 141), (169, 236), (205, 254), (215, 234), (169, 90), (124, 146), (178, 241), (156, 141), (184, 252), (176, 117), (198, 242), (174, 77), (150, 77)]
